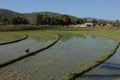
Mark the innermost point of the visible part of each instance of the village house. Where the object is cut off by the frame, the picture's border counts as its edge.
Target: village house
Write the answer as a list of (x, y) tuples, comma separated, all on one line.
[(89, 24), (82, 25), (108, 25)]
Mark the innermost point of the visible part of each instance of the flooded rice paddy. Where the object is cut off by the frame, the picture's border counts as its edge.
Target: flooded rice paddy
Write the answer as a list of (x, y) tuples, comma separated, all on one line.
[(110, 70), (64, 57), (11, 51)]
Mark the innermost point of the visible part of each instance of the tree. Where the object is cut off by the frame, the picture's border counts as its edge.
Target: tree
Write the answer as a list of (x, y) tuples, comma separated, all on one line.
[(16, 19), (84, 20), (54, 20), (39, 19), (95, 22), (101, 23), (0, 20), (66, 20), (24, 20), (42, 19), (79, 21), (46, 19), (117, 23), (4, 20)]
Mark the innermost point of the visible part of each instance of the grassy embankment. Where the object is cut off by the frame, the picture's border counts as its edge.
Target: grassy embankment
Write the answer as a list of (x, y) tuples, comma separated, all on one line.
[(38, 35), (8, 37)]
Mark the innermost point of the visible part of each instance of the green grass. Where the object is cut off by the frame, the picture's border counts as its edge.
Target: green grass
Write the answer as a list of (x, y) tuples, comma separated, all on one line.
[(105, 32), (10, 36), (66, 35), (39, 35)]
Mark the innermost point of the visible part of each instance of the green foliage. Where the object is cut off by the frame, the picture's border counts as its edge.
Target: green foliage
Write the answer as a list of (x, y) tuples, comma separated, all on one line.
[(39, 19), (66, 20), (79, 21), (10, 36), (95, 22), (16, 20), (84, 20), (116, 23), (53, 20), (101, 23), (4, 20)]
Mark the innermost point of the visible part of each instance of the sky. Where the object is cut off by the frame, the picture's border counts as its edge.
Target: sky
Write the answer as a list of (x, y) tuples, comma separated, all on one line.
[(103, 9)]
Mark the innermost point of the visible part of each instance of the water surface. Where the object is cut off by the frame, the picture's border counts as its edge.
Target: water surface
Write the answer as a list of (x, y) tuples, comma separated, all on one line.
[(64, 57), (110, 70), (11, 51)]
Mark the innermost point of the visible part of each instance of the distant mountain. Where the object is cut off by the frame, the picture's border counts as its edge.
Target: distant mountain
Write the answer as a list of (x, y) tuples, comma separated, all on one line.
[(31, 16), (7, 13), (48, 13), (90, 19)]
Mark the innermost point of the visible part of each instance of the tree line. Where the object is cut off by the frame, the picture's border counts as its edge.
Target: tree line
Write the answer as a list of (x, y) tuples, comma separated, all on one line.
[(45, 19), (53, 20), (15, 20)]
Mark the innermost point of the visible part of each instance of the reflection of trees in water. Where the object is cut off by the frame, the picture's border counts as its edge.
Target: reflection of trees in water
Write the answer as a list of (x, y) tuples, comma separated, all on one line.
[(93, 36), (66, 37), (111, 66), (100, 77)]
